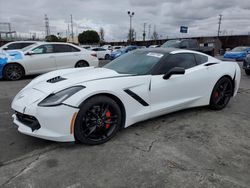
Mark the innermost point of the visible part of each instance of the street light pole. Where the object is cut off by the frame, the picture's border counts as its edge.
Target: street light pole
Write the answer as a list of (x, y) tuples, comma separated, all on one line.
[(130, 14)]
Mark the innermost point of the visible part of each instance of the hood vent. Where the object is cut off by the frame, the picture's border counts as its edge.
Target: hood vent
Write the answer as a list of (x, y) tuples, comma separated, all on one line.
[(56, 79)]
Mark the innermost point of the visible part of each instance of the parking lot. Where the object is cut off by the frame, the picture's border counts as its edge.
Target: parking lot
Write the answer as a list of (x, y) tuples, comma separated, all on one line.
[(192, 148)]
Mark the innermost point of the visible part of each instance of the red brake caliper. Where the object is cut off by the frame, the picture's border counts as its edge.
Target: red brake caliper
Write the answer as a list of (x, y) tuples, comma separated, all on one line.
[(108, 115), (216, 94)]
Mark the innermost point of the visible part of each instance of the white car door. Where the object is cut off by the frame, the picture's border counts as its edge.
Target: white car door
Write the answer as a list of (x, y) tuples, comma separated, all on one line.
[(179, 91), (66, 55), (40, 60)]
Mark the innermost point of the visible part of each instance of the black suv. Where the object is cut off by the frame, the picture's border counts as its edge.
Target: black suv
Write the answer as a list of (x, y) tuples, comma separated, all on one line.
[(246, 64)]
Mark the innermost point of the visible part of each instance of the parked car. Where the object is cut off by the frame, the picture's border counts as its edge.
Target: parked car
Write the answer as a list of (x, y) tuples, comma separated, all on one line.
[(117, 47), (154, 46), (246, 64), (101, 53), (189, 44), (44, 57), (239, 53), (107, 47), (17, 45), (91, 105), (122, 51), (87, 47)]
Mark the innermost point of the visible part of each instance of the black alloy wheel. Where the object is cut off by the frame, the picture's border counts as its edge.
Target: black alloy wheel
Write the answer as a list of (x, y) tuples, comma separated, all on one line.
[(247, 72), (221, 94), (13, 72), (81, 64), (98, 120), (107, 57)]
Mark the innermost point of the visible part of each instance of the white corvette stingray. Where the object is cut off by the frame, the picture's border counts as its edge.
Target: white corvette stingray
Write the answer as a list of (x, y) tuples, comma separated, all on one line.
[(91, 104)]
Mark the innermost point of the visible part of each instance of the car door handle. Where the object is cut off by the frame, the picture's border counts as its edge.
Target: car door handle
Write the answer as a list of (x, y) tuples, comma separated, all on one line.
[(51, 56), (210, 64)]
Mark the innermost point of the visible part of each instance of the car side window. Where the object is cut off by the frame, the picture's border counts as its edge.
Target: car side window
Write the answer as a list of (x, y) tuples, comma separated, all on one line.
[(184, 60), (14, 46), (200, 59), (192, 44), (43, 49), (185, 44), (63, 48), (23, 45)]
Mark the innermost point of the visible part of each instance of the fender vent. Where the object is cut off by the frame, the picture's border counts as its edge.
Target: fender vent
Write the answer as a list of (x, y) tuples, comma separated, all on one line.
[(56, 79)]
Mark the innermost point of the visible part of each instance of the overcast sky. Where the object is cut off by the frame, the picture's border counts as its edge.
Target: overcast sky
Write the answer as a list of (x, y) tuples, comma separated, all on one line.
[(166, 16)]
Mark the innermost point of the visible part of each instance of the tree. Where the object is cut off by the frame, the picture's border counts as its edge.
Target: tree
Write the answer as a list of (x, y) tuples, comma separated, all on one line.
[(102, 34), (88, 37), (51, 38), (155, 36)]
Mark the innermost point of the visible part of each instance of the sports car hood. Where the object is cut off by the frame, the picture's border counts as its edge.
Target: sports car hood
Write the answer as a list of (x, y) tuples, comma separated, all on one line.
[(61, 79)]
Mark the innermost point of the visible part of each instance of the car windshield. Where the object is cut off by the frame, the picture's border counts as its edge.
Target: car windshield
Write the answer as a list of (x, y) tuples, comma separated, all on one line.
[(136, 62), (171, 44), (28, 47), (240, 49)]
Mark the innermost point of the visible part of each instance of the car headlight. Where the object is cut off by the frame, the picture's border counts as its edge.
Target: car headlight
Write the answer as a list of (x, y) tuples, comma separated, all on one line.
[(56, 99), (118, 54)]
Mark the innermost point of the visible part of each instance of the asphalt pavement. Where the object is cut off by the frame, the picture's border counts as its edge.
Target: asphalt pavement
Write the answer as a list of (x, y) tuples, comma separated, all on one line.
[(191, 148)]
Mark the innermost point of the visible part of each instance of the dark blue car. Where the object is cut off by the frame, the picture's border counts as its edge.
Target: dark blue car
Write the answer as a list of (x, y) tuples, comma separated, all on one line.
[(122, 51), (246, 64), (238, 53)]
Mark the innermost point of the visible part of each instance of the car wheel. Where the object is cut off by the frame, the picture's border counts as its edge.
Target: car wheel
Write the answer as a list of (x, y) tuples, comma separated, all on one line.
[(221, 94), (107, 56), (13, 72), (98, 120), (247, 72), (81, 64)]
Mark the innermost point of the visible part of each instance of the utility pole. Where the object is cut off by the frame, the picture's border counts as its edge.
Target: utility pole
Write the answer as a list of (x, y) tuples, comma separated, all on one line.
[(130, 14), (149, 31), (144, 31), (68, 35), (72, 32), (47, 29), (220, 18)]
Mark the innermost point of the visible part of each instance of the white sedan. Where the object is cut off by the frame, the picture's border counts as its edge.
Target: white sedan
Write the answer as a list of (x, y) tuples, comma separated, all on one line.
[(43, 57), (90, 105), (102, 53)]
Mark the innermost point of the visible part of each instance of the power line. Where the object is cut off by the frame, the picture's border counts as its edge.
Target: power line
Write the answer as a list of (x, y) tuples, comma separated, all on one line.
[(220, 18)]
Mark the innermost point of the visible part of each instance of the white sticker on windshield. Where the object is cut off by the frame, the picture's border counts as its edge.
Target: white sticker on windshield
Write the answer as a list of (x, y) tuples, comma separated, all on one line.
[(153, 54)]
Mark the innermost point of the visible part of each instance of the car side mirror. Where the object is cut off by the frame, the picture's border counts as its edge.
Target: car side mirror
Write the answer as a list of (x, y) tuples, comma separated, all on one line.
[(174, 71), (6, 48), (29, 53)]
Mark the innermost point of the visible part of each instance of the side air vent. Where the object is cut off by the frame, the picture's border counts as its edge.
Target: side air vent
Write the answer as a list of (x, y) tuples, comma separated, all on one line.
[(56, 79)]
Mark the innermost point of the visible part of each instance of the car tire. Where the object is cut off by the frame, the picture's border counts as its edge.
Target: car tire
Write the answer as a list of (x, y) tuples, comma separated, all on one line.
[(98, 120), (247, 72), (13, 72), (107, 57), (81, 64), (221, 94)]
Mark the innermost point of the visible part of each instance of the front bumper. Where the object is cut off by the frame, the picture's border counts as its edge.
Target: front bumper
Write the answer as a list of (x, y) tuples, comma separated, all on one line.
[(50, 123)]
